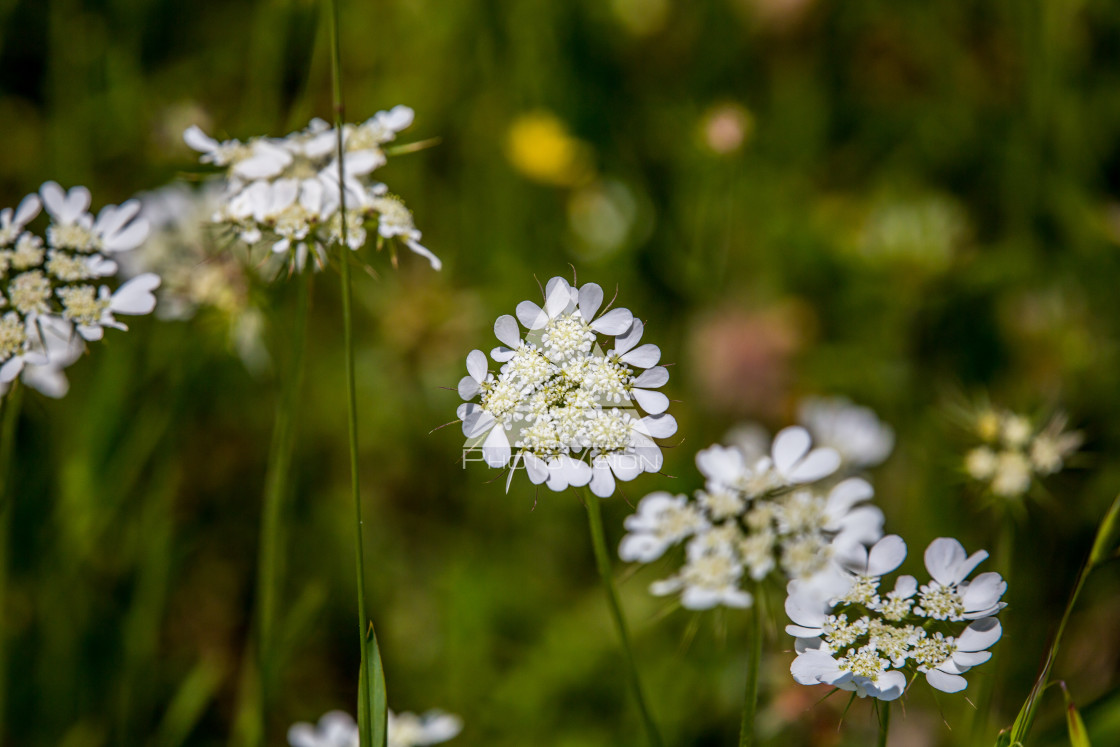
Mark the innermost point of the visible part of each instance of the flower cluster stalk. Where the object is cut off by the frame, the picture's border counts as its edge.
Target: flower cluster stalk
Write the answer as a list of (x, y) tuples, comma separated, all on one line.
[(754, 661), (372, 729), (884, 722), (602, 560), (8, 420), (270, 574)]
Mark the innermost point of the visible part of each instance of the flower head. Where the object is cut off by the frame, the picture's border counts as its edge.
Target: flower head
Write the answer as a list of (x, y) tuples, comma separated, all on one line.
[(287, 192), (1015, 452), (855, 432), (853, 636), (559, 405), (338, 729), (55, 292), (758, 513)]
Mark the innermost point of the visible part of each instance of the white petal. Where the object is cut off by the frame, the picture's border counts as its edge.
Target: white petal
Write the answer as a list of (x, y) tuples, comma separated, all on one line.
[(641, 548), (129, 238), (198, 140), (423, 251), (625, 466), (48, 380), (362, 162), (659, 426), (652, 402), (626, 342), (789, 446), (590, 299), (11, 369), (946, 683), (643, 356), (468, 387), (820, 463), (536, 468), (848, 493), (614, 322), (942, 557), (806, 612), (558, 296), (886, 555), (652, 378), (135, 296), (501, 355), (984, 591), (507, 331), (576, 471), (722, 464), (980, 635), (891, 685), (28, 208), (476, 365), (531, 316), (602, 481), (495, 450)]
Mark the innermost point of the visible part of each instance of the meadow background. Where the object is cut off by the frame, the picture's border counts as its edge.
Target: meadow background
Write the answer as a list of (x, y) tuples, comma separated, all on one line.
[(917, 207)]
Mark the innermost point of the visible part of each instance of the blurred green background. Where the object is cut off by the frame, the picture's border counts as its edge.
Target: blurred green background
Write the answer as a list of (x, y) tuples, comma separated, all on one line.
[(914, 205)]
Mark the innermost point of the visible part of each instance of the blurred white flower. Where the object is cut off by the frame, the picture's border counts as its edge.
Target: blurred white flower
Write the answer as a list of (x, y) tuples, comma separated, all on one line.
[(753, 517), (848, 636), (1016, 451), (338, 729), (561, 407), (855, 432), (286, 190), (54, 293)]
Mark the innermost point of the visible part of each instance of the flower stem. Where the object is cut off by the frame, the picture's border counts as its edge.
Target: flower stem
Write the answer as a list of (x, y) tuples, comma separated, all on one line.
[(884, 722), (270, 573), (371, 721), (603, 561), (9, 417), (754, 661)]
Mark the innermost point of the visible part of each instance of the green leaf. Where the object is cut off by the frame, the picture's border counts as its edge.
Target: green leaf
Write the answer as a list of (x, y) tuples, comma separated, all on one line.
[(189, 703), (373, 704), (1108, 536), (1078, 736)]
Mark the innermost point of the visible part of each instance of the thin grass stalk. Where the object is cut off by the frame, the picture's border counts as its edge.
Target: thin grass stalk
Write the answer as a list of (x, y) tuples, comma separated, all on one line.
[(8, 420), (270, 564), (371, 721), (603, 561), (754, 662), (884, 709)]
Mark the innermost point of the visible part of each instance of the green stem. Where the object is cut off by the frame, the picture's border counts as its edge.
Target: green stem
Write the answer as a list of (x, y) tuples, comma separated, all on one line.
[(8, 420), (371, 721), (884, 722), (270, 564), (603, 561), (754, 661)]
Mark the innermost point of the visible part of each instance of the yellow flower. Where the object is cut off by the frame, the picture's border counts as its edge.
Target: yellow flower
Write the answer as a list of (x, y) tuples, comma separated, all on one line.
[(541, 148)]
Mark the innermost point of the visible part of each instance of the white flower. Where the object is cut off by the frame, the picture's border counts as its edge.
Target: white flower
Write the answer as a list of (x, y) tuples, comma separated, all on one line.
[(558, 406), (855, 432), (661, 521), (288, 191), (335, 729), (12, 223), (338, 729), (848, 636), (948, 596), (708, 579), (48, 303), (968, 651), (433, 727)]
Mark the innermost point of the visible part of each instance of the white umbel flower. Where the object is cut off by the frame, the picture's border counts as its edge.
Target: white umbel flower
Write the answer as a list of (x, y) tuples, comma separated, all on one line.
[(852, 637), (338, 729), (1016, 452), (559, 406), (286, 191), (753, 517), (55, 292)]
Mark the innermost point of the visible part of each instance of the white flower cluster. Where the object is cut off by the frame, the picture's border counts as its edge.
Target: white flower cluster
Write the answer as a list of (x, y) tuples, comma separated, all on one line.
[(851, 637), (756, 514), (287, 190), (1014, 451), (337, 729), (54, 291), (561, 406)]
